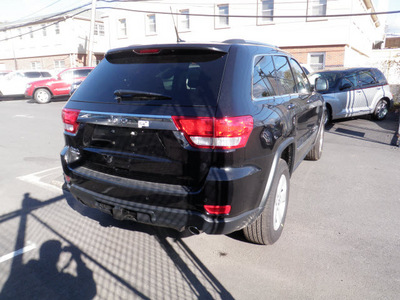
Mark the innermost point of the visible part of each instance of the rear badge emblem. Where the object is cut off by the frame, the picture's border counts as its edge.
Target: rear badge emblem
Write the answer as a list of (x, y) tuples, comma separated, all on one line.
[(142, 123)]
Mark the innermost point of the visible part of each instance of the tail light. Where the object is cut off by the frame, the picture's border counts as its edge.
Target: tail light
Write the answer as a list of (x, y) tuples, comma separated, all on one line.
[(215, 133), (218, 209), (70, 117)]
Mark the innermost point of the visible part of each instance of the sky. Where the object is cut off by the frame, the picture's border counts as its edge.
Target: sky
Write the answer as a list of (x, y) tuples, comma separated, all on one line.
[(12, 10)]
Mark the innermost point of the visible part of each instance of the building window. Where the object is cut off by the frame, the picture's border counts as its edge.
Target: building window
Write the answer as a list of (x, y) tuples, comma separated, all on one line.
[(317, 7), (35, 65), (30, 32), (59, 64), (122, 28), (96, 29), (44, 30), (184, 21), (101, 29), (57, 28), (316, 61), (151, 24), (267, 11), (223, 15)]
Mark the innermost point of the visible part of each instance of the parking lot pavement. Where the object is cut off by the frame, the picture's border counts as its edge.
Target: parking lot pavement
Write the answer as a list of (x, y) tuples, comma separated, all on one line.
[(341, 238)]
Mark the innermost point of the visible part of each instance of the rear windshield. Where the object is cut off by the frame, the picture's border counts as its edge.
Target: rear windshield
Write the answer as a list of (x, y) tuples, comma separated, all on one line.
[(186, 77)]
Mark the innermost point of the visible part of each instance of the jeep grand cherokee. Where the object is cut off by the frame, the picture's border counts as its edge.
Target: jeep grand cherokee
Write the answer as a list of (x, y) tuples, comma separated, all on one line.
[(201, 137)]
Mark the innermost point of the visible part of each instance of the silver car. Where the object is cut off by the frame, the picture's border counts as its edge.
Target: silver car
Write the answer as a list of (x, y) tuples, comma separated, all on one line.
[(354, 92)]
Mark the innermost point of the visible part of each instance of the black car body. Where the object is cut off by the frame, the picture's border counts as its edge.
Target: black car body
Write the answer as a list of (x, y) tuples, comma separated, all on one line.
[(190, 135)]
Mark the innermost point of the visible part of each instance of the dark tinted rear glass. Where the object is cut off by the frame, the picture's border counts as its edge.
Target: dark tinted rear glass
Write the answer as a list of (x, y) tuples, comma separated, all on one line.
[(379, 76), (188, 77), (33, 74), (45, 74)]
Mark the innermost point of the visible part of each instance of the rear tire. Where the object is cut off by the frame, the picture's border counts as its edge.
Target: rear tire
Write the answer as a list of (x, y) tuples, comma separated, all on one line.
[(42, 96), (316, 151), (267, 228), (381, 110)]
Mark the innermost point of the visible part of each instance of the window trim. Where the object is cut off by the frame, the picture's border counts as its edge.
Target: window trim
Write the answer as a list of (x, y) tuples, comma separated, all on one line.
[(260, 19), (315, 19), (217, 19), (309, 54), (147, 24), (122, 30), (184, 17)]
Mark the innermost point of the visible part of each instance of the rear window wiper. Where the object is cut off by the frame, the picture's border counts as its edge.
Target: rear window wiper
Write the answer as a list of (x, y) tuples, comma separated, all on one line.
[(120, 95)]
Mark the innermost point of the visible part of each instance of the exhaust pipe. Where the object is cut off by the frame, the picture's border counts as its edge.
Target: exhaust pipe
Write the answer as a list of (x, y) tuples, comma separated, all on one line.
[(194, 230)]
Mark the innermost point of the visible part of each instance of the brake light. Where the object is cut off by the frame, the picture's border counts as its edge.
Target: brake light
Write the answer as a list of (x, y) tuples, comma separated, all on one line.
[(218, 209), (215, 133), (147, 51), (70, 117)]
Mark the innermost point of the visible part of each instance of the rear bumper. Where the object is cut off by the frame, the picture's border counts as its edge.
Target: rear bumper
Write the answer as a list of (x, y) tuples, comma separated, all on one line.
[(178, 219), (169, 205)]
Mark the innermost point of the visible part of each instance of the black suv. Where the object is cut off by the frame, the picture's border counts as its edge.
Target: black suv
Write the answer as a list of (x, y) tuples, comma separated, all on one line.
[(201, 137)]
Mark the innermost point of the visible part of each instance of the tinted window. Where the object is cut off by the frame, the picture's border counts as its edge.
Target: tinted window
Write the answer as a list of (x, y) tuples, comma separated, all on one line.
[(189, 77), (32, 74), (264, 77), (81, 72), (366, 78), (331, 77), (284, 75), (303, 86), (352, 78), (379, 76), (45, 74)]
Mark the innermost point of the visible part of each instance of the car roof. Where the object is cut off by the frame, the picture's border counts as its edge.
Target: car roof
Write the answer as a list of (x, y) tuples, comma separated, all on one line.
[(223, 46), (343, 70)]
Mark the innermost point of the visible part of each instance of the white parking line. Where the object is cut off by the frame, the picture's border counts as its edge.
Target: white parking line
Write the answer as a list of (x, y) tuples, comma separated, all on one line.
[(16, 253), (36, 179)]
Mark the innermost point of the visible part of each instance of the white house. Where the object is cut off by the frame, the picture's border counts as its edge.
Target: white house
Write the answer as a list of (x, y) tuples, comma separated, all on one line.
[(305, 28), (50, 42), (321, 41)]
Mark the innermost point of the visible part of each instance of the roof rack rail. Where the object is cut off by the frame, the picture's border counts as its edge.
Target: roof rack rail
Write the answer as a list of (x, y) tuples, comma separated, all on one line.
[(243, 41)]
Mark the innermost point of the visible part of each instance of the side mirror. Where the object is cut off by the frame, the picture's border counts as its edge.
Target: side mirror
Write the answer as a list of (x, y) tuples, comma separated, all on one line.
[(345, 86), (321, 85)]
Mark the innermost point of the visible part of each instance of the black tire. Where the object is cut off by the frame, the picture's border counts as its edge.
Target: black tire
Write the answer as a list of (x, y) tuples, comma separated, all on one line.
[(267, 228), (381, 110), (328, 115), (42, 96), (316, 151)]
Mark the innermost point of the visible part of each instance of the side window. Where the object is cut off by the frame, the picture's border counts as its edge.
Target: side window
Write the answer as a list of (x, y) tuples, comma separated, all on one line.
[(303, 86), (81, 73), (284, 75), (348, 82), (67, 75), (379, 76), (366, 78), (32, 74), (264, 77)]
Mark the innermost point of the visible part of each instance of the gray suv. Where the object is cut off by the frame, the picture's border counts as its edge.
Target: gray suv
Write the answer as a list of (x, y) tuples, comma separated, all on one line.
[(354, 92)]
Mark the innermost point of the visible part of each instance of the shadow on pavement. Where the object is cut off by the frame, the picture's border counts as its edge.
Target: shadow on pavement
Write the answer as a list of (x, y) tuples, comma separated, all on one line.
[(82, 260)]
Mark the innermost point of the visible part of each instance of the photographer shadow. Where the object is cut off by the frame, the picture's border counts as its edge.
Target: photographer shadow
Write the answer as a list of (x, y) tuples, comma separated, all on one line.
[(46, 278)]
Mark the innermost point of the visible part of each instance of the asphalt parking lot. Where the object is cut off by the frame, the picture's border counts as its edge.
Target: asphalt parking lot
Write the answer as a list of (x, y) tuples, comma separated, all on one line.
[(341, 240)]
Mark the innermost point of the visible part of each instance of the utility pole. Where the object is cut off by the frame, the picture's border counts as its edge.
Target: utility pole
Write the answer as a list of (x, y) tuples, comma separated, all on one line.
[(91, 33)]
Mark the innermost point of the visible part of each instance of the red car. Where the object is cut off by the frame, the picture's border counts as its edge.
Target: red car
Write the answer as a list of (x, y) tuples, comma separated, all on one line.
[(42, 91)]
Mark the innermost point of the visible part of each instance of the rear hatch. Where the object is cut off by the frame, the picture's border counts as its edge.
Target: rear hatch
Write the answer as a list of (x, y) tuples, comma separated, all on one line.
[(127, 107)]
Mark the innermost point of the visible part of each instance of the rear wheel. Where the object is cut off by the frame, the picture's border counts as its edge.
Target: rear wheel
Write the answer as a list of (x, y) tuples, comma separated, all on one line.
[(267, 228), (42, 96), (316, 151), (381, 110)]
